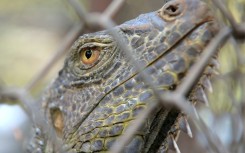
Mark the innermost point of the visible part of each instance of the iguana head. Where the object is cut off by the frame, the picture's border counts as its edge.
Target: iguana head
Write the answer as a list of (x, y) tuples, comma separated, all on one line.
[(98, 93)]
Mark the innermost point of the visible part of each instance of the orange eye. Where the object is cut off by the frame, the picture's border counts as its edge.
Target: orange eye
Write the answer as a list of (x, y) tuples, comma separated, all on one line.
[(89, 55)]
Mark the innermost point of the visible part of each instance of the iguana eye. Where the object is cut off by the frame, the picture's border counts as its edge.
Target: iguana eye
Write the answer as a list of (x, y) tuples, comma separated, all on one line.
[(89, 55)]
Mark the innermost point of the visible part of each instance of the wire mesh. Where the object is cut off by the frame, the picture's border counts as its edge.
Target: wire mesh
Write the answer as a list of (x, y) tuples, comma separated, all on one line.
[(232, 34)]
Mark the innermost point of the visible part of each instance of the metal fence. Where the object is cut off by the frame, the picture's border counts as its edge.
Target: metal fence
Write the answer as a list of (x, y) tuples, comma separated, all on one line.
[(232, 33)]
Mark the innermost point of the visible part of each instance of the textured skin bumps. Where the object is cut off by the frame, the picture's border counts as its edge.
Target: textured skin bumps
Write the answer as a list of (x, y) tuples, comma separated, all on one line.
[(97, 102)]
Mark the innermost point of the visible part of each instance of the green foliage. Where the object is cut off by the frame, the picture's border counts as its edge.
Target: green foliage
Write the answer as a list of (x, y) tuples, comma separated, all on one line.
[(229, 87)]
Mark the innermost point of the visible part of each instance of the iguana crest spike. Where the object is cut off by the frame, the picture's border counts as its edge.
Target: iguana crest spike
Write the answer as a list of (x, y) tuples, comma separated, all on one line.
[(184, 126)]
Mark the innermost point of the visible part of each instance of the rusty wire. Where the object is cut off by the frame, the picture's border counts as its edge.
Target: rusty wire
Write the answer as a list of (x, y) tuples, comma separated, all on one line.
[(104, 20)]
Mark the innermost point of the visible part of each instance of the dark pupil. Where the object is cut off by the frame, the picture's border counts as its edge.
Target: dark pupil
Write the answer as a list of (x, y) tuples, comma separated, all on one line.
[(88, 54)]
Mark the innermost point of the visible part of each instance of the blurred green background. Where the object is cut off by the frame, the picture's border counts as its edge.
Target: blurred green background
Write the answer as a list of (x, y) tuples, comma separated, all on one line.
[(30, 31)]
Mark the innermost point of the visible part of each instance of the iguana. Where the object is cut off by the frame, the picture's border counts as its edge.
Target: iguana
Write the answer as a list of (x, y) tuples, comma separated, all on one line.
[(98, 93)]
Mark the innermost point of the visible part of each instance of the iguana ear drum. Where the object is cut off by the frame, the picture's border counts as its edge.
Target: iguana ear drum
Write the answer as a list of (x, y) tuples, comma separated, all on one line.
[(171, 10), (57, 121)]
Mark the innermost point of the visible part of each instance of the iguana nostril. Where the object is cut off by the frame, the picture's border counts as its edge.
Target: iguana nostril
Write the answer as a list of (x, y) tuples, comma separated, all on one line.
[(57, 121), (171, 10)]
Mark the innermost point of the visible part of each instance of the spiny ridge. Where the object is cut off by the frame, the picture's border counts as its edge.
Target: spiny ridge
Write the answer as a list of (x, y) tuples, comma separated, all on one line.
[(184, 126), (201, 96), (172, 144), (207, 84)]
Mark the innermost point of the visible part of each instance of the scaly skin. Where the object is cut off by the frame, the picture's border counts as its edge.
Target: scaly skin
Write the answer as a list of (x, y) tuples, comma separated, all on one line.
[(91, 104)]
